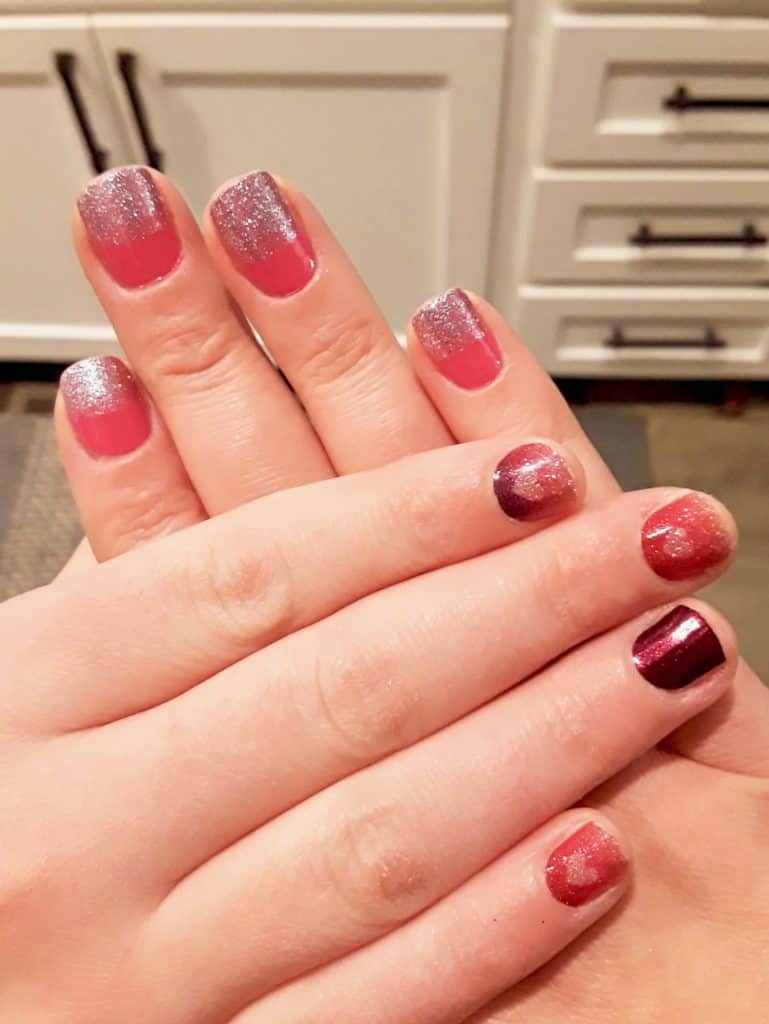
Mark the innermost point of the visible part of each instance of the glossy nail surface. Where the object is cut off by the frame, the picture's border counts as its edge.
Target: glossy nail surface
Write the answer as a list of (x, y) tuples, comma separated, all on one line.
[(585, 866), (129, 227), (456, 339), (107, 411), (534, 482), (263, 238), (677, 650), (685, 538)]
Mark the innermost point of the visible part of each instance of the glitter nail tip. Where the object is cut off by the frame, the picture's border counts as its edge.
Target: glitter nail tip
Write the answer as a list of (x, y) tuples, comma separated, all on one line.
[(534, 482), (585, 866), (686, 538), (458, 342), (265, 242), (129, 227), (678, 650), (108, 413)]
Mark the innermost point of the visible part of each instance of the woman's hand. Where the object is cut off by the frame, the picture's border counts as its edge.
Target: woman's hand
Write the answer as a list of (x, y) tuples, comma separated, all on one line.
[(271, 768)]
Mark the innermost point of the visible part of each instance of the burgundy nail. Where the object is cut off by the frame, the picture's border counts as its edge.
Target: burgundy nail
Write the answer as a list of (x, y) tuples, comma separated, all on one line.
[(129, 227), (534, 482), (263, 238), (457, 340), (677, 650), (685, 538), (585, 866), (105, 407)]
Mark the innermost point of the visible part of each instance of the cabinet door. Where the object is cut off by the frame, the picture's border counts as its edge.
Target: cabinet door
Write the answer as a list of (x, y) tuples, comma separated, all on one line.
[(46, 308), (389, 123)]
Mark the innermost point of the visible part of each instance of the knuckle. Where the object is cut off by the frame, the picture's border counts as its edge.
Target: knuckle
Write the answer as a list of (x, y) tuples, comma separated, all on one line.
[(189, 346), (567, 589), (150, 512), (342, 345)]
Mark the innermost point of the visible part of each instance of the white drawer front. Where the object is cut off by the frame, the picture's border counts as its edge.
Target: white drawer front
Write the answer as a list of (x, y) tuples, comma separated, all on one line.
[(613, 81), (675, 332), (735, 7), (653, 227)]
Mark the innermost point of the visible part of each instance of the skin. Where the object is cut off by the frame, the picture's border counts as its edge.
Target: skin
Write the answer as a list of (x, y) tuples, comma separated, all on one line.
[(366, 409)]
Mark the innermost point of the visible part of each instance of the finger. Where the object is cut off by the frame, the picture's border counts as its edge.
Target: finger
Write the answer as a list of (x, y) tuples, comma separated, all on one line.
[(483, 380), (219, 396), (365, 856), (317, 318), (477, 942), (123, 469), (82, 558), (265, 570)]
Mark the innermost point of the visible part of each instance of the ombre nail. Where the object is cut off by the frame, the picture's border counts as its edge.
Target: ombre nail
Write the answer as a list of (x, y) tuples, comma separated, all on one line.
[(107, 411), (129, 227), (585, 866), (534, 482), (456, 339), (677, 650), (685, 538), (263, 238)]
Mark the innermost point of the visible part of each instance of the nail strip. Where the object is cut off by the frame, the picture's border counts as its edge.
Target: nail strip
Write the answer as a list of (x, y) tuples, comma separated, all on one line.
[(108, 412), (677, 650), (534, 482), (585, 866), (685, 538), (456, 339)]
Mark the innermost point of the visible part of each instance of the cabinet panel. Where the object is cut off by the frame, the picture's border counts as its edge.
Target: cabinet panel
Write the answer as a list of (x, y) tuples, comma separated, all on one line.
[(389, 123), (732, 7)]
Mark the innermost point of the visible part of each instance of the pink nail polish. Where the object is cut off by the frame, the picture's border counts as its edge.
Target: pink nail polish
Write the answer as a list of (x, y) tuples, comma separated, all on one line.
[(685, 538), (263, 238), (129, 227), (105, 407), (677, 650), (534, 482), (459, 343), (585, 866)]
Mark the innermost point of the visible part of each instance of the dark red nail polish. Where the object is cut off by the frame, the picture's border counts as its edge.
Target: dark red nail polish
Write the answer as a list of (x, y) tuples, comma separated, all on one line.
[(129, 227), (685, 538), (457, 340), (585, 866), (263, 238), (534, 482), (105, 407), (677, 650)]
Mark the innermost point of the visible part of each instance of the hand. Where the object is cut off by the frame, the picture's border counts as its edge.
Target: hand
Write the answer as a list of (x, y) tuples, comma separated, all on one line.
[(263, 770), (332, 344)]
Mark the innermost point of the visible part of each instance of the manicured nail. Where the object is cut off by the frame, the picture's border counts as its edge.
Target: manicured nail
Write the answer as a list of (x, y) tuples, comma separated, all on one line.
[(263, 238), (677, 650), (534, 482), (585, 866), (105, 407), (459, 343), (129, 227), (685, 538)]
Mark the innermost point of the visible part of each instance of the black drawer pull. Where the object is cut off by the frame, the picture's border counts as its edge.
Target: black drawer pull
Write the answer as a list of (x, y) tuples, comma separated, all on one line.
[(682, 100), (126, 65), (645, 237), (709, 340), (66, 64)]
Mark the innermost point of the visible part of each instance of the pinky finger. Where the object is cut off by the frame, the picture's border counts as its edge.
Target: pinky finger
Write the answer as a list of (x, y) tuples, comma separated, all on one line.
[(476, 943), (127, 479)]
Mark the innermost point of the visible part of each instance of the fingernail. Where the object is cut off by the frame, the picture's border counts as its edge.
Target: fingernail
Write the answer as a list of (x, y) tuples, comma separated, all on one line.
[(677, 650), (105, 407), (685, 538), (129, 227), (264, 240), (456, 339), (585, 866), (534, 482)]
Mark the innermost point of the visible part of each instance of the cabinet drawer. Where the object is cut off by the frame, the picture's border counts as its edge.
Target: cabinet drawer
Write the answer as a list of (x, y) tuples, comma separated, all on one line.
[(652, 227), (659, 90), (735, 7), (647, 332)]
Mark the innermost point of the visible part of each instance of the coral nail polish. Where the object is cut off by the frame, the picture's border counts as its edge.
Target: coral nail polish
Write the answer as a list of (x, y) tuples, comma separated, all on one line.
[(677, 650), (108, 413), (456, 339), (585, 866), (263, 238), (533, 482), (129, 227), (685, 538)]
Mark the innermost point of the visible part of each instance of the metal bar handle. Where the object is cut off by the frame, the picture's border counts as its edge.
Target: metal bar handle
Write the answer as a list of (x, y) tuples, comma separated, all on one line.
[(66, 67), (709, 340), (127, 66), (682, 100), (644, 237)]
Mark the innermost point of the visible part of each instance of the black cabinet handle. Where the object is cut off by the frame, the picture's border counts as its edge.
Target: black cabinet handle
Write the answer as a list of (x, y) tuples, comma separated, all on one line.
[(126, 65), (645, 237), (709, 340), (682, 100), (66, 64)]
